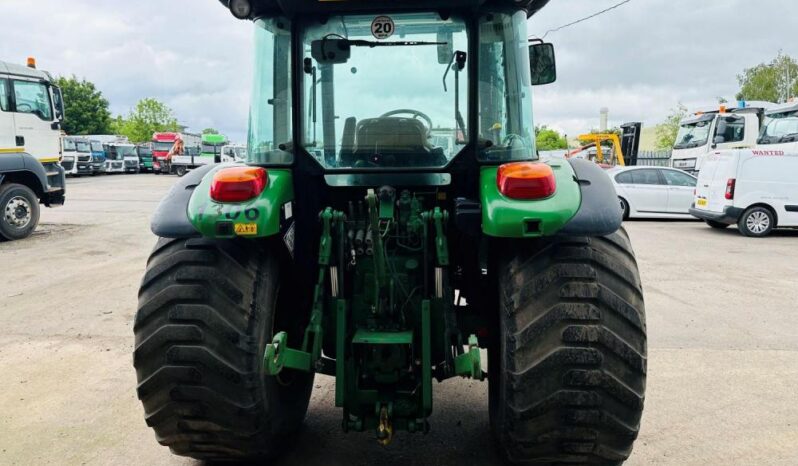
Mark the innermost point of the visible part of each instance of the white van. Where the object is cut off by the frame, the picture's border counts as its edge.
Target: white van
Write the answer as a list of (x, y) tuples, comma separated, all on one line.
[(755, 188)]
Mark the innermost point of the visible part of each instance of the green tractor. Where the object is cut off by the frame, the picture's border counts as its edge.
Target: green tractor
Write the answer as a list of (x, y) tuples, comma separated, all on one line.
[(355, 245)]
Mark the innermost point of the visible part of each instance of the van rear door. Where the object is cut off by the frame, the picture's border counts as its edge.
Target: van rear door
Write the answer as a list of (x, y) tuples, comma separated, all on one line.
[(718, 169)]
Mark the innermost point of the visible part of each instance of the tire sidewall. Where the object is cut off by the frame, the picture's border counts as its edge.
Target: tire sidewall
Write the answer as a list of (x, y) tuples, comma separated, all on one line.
[(180, 171), (8, 192), (496, 382), (288, 394), (743, 223)]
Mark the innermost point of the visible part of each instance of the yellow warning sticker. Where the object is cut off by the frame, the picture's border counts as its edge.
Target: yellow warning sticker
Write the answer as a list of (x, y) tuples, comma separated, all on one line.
[(246, 229)]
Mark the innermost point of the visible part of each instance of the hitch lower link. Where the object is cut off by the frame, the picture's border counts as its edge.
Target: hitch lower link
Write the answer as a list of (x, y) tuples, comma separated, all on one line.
[(279, 356)]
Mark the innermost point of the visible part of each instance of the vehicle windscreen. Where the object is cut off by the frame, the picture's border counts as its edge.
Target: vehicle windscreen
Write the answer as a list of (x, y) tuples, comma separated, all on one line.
[(379, 107), (96, 146), (779, 128), (83, 146), (211, 148), (162, 146), (125, 150), (69, 145), (692, 135), (234, 152), (145, 151)]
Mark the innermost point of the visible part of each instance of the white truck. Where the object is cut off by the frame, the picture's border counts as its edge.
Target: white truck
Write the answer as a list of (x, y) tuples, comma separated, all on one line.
[(121, 157), (99, 149), (31, 113), (757, 189), (234, 153), (717, 129), (780, 128), (69, 156)]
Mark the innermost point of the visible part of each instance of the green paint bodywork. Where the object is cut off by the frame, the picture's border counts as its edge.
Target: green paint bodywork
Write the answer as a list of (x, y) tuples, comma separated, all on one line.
[(399, 321), (205, 213), (512, 218)]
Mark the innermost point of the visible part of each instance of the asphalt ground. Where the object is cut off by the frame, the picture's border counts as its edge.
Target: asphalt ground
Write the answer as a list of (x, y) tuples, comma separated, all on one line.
[(722, 371)]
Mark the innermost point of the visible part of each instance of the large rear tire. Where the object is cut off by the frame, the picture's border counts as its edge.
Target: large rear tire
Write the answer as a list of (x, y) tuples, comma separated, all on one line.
[(567, 381), (206, 311)]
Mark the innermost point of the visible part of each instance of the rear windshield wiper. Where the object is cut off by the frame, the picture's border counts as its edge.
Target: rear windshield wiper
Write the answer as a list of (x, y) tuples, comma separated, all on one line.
[(401, 43)]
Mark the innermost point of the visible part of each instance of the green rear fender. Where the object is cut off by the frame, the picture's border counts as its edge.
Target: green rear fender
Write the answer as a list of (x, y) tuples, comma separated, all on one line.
[(512, 218), (258, 217)]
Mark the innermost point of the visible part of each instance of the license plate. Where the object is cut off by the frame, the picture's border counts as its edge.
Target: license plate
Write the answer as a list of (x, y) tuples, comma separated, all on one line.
[(246, 229), (701, 203)]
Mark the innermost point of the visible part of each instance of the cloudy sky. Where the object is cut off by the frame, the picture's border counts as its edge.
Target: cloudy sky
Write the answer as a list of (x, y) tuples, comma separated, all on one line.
[(639, 60)]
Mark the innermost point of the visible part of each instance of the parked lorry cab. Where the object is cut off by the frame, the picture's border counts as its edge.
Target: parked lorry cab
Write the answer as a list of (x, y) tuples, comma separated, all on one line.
[(757, 189), (717, 129), (780, 128), (69, 156), (233, 153), (91, 156), (211, 148), (162, 143), (98, 155), (122, 158), (130, 157), (390, 262), (144, 152), (31, 113)]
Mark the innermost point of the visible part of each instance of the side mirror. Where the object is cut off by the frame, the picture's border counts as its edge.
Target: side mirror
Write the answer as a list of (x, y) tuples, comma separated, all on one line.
[(330, 51), (720, 130), (542, 66), (59, 103), (446, 48)]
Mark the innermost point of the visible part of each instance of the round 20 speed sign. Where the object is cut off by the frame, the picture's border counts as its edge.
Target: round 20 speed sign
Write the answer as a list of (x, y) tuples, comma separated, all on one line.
[(382, 27)]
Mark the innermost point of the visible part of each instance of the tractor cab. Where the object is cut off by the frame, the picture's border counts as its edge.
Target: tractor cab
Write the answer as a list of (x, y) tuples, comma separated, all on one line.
[(360, 89)]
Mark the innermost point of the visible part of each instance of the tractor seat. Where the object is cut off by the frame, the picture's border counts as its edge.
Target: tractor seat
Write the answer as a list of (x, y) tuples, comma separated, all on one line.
[(392, 137)]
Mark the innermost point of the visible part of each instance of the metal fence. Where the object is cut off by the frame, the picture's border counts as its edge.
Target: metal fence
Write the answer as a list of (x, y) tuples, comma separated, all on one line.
[(654, 158)]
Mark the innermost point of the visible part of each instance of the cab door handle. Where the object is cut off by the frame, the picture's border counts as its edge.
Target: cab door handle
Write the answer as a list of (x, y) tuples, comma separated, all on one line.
[(20, 141)]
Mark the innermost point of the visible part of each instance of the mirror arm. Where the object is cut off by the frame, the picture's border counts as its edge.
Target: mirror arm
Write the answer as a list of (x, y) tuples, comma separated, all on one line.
[(446, 73)]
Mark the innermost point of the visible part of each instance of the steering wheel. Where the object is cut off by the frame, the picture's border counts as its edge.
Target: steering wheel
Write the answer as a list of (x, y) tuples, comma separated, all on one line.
[(28, 108), (414, 113)]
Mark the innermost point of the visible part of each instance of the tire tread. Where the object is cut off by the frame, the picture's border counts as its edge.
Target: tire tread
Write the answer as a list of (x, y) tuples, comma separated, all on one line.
[(574, 357)]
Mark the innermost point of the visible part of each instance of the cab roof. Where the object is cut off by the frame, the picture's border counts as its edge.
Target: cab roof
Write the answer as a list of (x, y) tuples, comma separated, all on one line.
[(292, 8), (20, 70), (783, 108)]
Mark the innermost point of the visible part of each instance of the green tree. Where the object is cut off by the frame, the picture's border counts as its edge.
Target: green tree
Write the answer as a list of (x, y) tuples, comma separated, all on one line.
[(776, 81), (667, 130), (210, 131), (549, 139), (117, 125), (85, 107), (149, 116)]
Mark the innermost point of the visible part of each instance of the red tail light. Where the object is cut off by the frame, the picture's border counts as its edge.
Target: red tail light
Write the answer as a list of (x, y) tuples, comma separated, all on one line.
[(526, 180), (730, 188), (237, 184)]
